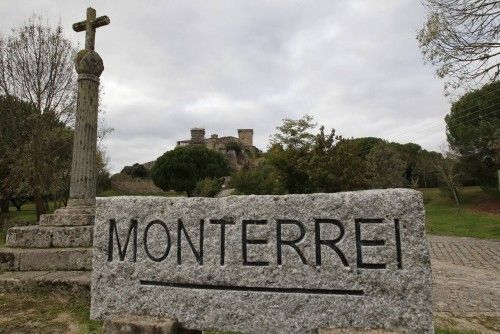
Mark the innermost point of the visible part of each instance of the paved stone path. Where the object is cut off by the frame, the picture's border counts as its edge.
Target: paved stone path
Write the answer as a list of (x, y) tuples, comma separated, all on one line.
[(468, 252), (466, 289)]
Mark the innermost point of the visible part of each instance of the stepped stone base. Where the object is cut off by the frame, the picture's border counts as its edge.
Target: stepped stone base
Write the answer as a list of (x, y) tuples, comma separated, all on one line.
[(69, 216), (27, 281), (67, 219), (62, 241), (49, 236), (45, 259)]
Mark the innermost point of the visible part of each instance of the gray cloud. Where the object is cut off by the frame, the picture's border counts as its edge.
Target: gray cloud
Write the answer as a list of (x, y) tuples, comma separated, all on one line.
[(170, 65)]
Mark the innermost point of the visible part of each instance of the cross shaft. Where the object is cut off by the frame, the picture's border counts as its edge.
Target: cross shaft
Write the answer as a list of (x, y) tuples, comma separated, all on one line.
[(89, 26)]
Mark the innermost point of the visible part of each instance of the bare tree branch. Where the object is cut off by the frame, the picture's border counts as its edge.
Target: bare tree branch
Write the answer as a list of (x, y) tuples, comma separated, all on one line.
[(461, 38), (36, 65)]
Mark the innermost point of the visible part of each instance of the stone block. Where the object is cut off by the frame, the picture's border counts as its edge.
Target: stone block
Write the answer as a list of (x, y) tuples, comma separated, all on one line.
[(81, 202), (85, 210), (32, 281), (266, 264), (46, 259), (37, 236), (66, 219), (8, 261), (139, 325)]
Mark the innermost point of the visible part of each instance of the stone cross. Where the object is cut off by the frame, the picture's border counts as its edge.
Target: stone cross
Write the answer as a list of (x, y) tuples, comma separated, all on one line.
[(63, 240), (89, 67), (89, 26)]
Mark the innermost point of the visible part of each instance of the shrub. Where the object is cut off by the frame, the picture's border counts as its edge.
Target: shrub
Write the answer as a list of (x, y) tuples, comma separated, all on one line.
[(208, 187), (136, 170), (261, 180), (181, 168)]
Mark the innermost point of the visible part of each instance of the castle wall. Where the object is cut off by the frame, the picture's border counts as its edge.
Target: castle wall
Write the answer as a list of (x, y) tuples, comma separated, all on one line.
[(245, 137), (219, 144)]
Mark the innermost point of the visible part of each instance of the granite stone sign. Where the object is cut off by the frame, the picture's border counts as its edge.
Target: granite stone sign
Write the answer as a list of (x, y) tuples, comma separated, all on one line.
[(266, 264)]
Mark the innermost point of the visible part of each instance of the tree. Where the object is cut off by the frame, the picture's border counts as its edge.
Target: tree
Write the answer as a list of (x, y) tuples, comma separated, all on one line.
[(366, 144), (450, 176), (17, 146), (263, 179), (290, 166), (16, 117), (460, 37), (473, 131), (294, 133), (426, 169), (289, 152), (36, 66), (181, 168), (4, 174), (103, 175), (385, 167), (8, 143), (335, 164), (308, 162), (409, 154), (136, 170), (208, 187)]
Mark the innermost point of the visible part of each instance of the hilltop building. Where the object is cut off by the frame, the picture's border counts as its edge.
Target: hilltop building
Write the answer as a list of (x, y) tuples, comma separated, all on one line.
[(245, 139), (237, 157)]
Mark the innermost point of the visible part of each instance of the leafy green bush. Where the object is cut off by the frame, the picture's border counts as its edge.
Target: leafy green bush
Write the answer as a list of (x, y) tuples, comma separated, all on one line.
[(261, 180), (234, 146), (136, 170), (181, 168), (208, 187)]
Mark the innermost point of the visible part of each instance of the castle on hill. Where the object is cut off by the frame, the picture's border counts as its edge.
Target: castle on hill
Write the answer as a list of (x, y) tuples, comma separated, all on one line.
[(237, 157), (245, 139)]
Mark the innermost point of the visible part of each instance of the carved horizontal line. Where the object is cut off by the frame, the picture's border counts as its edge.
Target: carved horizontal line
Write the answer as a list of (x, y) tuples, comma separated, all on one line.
[(342, 292)]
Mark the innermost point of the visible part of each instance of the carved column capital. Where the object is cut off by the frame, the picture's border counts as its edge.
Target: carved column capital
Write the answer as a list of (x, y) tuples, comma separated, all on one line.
[(88, 62)]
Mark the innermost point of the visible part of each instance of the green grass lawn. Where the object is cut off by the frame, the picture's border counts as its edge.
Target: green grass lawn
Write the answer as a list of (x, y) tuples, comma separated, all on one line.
[(27, 213), (443, 218)]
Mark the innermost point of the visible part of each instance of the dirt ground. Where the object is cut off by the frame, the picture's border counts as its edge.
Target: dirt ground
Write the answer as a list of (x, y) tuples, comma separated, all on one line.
[(45, 312), (492, 207)]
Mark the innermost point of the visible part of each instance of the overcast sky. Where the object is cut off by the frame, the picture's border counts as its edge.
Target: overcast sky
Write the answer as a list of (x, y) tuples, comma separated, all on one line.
[(353, 65)]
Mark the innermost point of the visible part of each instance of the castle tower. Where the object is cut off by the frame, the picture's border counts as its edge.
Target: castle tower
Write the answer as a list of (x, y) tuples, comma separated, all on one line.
[(246, 136), (197, 136)]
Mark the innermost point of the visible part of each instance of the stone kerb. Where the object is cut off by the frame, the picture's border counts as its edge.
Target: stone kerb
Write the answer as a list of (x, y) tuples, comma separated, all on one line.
[(266, 264)]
